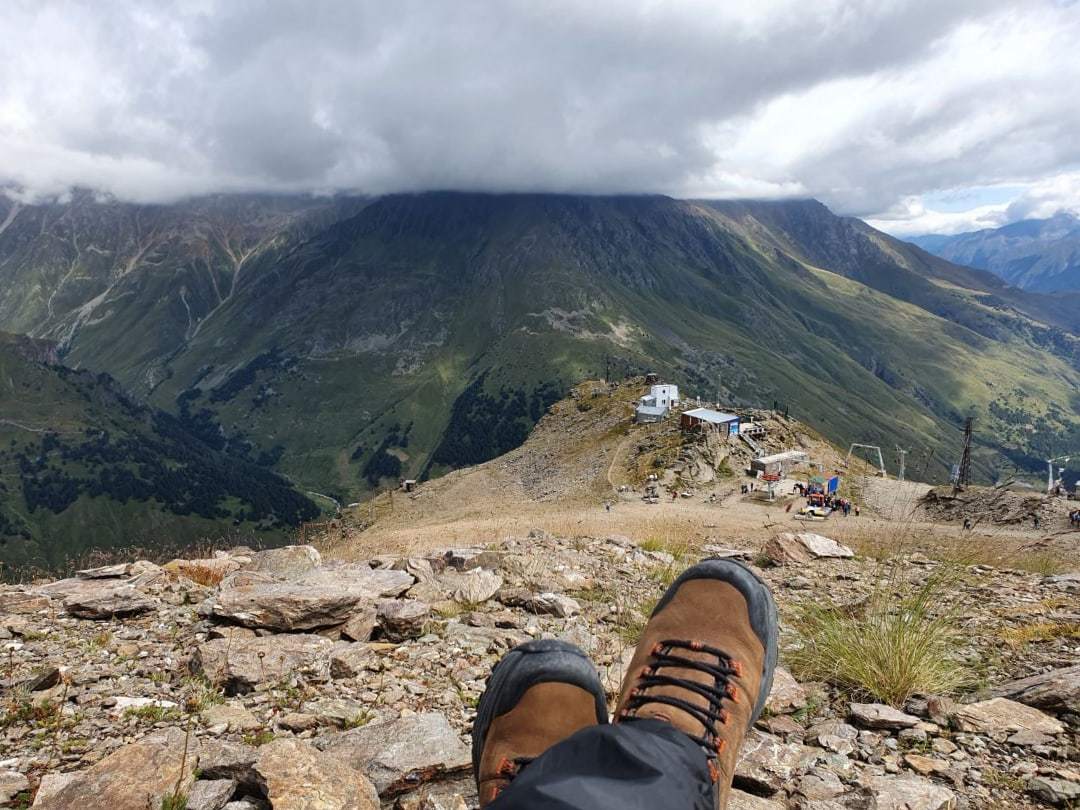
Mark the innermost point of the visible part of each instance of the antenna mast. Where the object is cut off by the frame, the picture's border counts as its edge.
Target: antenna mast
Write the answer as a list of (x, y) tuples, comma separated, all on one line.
[(963, 470)]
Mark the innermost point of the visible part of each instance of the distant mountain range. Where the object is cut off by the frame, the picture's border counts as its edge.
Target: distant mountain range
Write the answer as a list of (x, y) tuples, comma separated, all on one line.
[(1040, 255), (347, 342), (82, 467)]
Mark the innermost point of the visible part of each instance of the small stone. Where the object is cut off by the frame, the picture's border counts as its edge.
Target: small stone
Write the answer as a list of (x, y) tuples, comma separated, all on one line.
[(402, 619), (880, 716), (939, 709), (233, 715), (782, 725), (349, 660), (475, 586), (211, 794), (247, 803), (464, 559), (925, 765), (369, 583), (339, 712), (787, 694), (908, 793), (209, 571), (12, 783), (361, 624), (551, 604), (20, 602), (122, 704), (226, 760), (912, 735), (788, 548), (1028, 738), (738, 800), (766, 763), (821, 785), (834, 735), (105, 572), (298, 721), (943, 746)]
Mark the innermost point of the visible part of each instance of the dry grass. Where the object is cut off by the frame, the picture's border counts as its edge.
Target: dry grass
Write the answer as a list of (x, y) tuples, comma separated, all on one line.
[(206, 575), (1001, 549), (1040, 631), (899, 643)]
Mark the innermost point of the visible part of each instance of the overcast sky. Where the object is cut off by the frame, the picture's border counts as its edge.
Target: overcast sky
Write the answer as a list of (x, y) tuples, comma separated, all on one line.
[(920, 115)]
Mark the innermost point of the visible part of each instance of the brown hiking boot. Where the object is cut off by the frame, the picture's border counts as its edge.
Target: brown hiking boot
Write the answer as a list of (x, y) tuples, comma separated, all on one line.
[(538, 694), (705, 662)]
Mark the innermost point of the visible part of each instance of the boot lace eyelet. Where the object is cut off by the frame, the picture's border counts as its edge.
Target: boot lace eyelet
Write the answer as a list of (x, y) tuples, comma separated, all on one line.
[(668, 655)]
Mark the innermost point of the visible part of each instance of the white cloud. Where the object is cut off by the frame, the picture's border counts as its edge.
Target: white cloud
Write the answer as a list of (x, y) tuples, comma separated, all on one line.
[(867, 104), (910, 217)]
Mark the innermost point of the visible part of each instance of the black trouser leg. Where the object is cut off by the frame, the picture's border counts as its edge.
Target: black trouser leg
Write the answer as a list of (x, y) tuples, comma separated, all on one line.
[(640, 765)]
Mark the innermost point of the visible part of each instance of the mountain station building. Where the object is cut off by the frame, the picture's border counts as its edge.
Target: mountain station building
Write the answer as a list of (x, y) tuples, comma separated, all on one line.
[(657, 404), (708, 419)]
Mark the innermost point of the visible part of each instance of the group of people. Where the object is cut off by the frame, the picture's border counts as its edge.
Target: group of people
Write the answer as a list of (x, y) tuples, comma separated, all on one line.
[(834, 502)]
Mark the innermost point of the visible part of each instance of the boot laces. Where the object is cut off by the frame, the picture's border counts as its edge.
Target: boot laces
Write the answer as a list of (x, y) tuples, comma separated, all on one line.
[(666, 655)]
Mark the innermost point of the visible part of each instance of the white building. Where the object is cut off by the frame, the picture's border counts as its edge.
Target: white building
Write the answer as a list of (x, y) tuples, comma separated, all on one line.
[(662, 396), (656, 404)]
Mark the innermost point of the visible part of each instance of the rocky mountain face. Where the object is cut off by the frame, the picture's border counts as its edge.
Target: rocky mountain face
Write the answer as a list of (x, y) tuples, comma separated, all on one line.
[(362, 341), (275, 679), (1040, 255), (84, 466)]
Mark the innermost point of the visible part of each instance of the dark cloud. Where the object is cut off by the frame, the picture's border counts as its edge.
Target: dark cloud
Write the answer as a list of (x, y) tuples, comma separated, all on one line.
[(860, 103)]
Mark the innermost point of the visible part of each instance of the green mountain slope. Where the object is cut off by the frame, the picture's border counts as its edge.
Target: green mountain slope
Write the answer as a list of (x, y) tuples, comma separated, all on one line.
[(423, 332), (83, 466), (1040, 255)]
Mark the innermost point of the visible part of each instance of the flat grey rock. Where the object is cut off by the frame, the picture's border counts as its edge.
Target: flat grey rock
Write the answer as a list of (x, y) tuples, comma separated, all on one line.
[(211, 794), (239, 665), (286, 563), (286, 607), (294, 775), (1004, 715), (1055, 691), (400, 754), (880, 716)]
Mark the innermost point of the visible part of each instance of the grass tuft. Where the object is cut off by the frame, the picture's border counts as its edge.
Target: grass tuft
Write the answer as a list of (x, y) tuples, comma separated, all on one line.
[(899, 644), (1040, 631), (174, 801)]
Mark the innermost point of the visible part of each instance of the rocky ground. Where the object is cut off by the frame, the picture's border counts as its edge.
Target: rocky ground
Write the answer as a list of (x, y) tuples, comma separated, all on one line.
[(276, 679)]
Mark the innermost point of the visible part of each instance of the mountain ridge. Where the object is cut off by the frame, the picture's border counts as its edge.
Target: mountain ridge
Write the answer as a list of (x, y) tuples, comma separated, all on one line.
[(1038, 255), (363, 340)]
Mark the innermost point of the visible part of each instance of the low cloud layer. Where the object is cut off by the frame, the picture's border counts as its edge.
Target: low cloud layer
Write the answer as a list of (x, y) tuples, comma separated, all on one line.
[(867, 105)]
